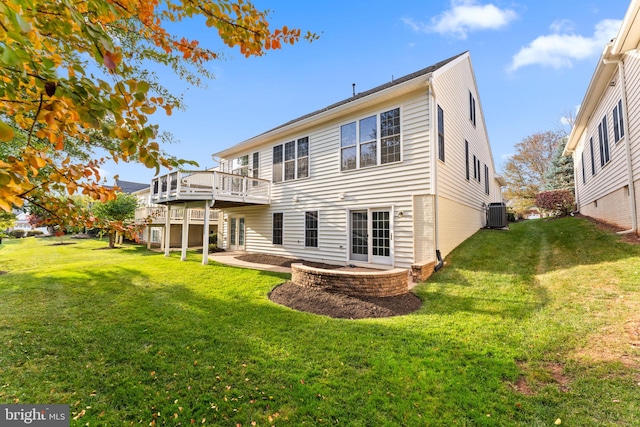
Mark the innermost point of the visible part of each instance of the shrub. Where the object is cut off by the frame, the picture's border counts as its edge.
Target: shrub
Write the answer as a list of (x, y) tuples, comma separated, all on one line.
[(558, 202), (17, 233), (213, 239), (32, 233)]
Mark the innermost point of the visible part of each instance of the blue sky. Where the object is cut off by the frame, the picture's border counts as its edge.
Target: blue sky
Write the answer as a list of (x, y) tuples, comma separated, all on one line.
[(533, 61)]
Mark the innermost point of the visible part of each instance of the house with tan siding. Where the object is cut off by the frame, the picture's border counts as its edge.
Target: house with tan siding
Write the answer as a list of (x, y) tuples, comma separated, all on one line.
[(391, 177), (604, 141)]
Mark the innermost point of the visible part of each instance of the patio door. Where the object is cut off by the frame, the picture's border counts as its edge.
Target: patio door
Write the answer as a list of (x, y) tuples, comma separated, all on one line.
[(236, 233), (370, 236)]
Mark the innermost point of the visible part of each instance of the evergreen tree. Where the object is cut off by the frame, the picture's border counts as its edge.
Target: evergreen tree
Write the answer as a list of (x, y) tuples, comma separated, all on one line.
[(559, 174)]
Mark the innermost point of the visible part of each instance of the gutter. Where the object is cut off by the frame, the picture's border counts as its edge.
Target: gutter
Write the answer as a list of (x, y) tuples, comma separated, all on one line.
[(434, 168), (625, 125)]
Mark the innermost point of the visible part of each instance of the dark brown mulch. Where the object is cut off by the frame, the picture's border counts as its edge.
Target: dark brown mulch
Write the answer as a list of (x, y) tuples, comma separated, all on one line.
[(632, 238), (332, 304), (343, 306)]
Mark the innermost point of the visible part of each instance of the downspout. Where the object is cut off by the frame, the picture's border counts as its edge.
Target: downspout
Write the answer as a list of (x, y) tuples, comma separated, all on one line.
[(434, 170), (625, 125)]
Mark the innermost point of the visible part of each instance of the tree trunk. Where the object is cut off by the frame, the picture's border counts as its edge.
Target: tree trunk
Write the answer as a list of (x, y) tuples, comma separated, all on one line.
[(112, 240)]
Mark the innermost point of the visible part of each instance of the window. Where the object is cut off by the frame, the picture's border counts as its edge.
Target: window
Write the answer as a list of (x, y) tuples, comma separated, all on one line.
[(440, 134), (593, 161), (277, 163), (584, 177), (311, 229), (486, 179), (255, 167), (277, 228), (291, 160), (240, 166), (472, 108), (618, 123), (475, 167), (390, 136), (466, 158), (604, 142), (370, 141), (478, 168)]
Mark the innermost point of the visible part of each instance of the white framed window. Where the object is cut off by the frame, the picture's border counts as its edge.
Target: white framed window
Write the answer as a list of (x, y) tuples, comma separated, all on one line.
[(277, 228), (472, 108), (593, 159), (311, 229), (603, 135), (291, 160), (466, 158), (370, 141), (618, 122)]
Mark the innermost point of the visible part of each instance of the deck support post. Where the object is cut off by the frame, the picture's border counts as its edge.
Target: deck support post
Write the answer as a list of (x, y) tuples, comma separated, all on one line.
[(205, 235), (167, 230), (185, 232)]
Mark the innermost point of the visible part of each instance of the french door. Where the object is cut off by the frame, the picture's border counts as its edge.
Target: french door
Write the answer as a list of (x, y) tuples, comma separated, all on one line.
[(370, 236), (236, 233)]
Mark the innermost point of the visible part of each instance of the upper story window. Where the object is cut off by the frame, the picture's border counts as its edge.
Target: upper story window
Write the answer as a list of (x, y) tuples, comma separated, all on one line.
[(440, 134), (472, 108), (618, 123), (604, 141), (240, 165), (291, 160), (370, 141)]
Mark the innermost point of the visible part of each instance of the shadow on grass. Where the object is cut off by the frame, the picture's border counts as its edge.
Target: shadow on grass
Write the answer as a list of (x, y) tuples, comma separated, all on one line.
[(129, 343)]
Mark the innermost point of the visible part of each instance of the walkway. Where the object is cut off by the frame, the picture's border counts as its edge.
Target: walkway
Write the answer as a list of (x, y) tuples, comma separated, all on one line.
[(229, 258)]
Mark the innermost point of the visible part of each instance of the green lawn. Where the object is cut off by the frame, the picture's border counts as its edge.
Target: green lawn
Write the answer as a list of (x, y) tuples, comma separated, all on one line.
[(524, 327)]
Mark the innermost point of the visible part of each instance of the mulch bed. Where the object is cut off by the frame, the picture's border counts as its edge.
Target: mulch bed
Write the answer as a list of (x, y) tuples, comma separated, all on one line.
[(341, 306), (332, 304)]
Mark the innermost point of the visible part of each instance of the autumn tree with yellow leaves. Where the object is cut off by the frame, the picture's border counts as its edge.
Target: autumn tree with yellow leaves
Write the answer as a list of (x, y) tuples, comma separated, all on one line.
[(56, 113)]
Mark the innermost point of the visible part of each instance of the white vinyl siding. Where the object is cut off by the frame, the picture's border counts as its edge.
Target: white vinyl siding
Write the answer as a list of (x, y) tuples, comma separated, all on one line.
[(393, 185), (607, 160)]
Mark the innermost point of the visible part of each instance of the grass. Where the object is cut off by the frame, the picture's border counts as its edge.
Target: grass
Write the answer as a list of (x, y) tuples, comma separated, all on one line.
[(524, 327)]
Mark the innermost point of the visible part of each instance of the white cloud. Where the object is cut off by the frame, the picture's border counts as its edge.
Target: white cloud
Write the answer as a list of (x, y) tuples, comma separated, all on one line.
[(464, 17), (560, 50)]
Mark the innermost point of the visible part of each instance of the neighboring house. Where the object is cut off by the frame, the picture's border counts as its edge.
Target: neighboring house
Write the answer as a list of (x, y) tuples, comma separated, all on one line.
[(383, 179), (604, 140), (22, 223)]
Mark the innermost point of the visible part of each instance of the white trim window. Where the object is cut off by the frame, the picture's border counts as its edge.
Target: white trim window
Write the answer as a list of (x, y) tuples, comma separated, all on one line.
[(618, 122), (603, 137), (472, 109), (311, 229), (371, 141), (291, 160), (277, 228)]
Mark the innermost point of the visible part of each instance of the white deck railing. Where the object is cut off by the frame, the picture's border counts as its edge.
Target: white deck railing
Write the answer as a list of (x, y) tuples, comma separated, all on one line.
[(159, 214), (210, 185)]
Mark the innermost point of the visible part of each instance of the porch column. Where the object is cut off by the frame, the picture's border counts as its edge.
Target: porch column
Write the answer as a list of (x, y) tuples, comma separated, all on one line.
[(162, 238), (148, 230), (167, 231), (205, 235), (185, 232)]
